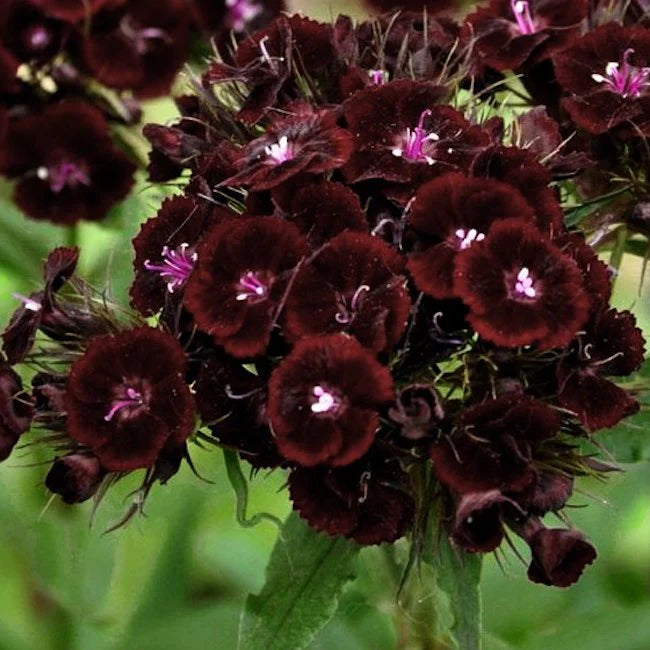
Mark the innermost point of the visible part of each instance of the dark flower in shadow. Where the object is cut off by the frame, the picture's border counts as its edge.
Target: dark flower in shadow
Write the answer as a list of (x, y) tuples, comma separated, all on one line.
[(450, 214), (366, 501), (520, 289), (139, 45), (66, 165), (76, 477), (241, 279), (166, 250), (125, 407), (492, 447), (607, 73), (324, 398), (354, 285), (73, 10), (303, 141), (16, 409), (509, 33), (612, 345), (418, 410)]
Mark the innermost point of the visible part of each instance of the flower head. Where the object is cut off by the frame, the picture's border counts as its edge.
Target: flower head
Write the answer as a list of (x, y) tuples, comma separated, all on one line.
[(16, 409), (324, 399), (125, 408), (75, 477)]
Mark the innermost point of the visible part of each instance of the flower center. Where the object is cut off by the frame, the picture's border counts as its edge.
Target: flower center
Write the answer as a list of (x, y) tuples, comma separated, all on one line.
[(37, 37), (378, 77), (64, 174), (129, 400), (280, 152), (623, 78), (521, 11), (325, 401), (524, 284), (252, 288), (346, 312), (241, 12), (142, 37), (413, 143), (467, 238), (177, 264)]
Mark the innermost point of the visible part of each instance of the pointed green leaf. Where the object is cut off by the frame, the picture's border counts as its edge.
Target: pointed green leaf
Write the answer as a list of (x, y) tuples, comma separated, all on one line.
[(304, 579)]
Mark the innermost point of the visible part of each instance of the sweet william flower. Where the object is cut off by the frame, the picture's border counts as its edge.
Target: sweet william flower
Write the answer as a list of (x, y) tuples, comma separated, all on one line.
[(520, 288), (16, 409), (240, 281), (75, 478), (66, 165), (125, 408), (324, 400)]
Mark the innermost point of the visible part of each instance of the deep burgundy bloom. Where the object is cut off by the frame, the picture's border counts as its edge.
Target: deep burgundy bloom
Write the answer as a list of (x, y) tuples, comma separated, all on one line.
[(493, 444), (509, 33), (353, 285), (612, 345), (127, 398), (549, 492), (73, 10), (140, 45), (366, 501), (607, 72), (450, 214), (520, 288), (76, 477), (166, 250), (559, 556), (404, 137), (324, 398), (16, 409), (305, 140), (39, 307), (66, 164), (521, 169), (232, 403), (240, 280), (323, 210)]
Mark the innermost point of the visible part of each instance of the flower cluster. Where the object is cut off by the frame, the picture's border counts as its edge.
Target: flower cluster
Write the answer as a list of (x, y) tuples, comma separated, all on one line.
[(367, 281), (72, 69)]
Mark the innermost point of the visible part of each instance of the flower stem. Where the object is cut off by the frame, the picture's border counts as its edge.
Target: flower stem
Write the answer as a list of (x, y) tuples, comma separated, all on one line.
[(618, 252)]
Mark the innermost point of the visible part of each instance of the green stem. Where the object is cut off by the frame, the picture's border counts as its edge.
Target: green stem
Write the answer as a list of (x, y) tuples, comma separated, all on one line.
[(618, 251)]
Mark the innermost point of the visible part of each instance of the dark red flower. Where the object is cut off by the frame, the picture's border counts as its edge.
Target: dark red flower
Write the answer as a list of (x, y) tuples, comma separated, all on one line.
[(240, 280), (449, 214), (492, 447), (40, 306), (232, 403), (73, 10), (559, 556), (66, 164), (366, 501), (323, 210), (125, 408), (607, 72), (520, 168), (520, 289), (165, 250), (352, 285), (76, 477), (16, 409), (323, 401), (508, 33), (303, 141), (140, 45), (404, 137), (612, 345), (547, 493)]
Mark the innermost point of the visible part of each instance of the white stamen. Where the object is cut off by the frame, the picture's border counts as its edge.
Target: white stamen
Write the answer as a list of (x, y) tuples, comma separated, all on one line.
[(325, 400)]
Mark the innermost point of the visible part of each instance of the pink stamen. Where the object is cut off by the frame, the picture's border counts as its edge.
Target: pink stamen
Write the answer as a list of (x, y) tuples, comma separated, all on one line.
[(177, 266), (141, 38), (623, 78), (326, 401), (241, 12), (281, 151), (378, 77), (132, 398), (413, 142), (64, 174), (250, 286), (524, 285), (345, 314), (469, 237), (521, 11)]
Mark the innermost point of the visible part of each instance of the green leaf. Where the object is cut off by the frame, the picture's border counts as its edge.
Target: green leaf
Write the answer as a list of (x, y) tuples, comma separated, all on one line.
[(575, 215), (629, 441), (305, 576)]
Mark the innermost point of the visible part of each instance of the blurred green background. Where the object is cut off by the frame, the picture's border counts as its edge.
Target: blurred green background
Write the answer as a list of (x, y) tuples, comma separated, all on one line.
[(177, 578)]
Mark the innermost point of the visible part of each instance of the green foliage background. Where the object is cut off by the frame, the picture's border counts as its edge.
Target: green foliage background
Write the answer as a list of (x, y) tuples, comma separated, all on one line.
[(178, 577)]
